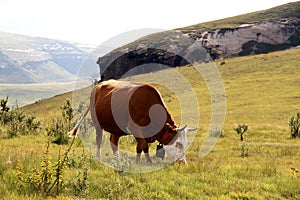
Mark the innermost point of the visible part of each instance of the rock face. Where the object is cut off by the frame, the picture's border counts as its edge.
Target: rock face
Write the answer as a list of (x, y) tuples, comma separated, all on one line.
[(155, 52), (177, 48), (250, 39)]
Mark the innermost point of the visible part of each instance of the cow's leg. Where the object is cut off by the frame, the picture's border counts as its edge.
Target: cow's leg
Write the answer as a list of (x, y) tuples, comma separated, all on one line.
[(142, 146), (146, 150), (99, 134), (114, 140)]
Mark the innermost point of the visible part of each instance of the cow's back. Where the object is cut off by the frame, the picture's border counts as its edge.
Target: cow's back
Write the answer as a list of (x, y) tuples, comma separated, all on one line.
[(120, 100)]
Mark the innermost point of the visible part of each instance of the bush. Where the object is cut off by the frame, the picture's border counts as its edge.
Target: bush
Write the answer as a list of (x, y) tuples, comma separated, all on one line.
[(67, 111), (19, 124), (32, 125), (48, 178), (4, 110), (16, 122), (57, 131), (294, 124), (4, 105), (60, 127)]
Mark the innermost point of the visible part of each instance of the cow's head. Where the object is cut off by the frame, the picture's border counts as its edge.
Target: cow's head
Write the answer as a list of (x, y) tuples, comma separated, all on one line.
[(176, 149)]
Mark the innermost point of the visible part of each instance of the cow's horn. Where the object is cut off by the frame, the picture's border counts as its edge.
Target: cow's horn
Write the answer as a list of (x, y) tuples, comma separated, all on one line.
[(182, 128), (192, 129)]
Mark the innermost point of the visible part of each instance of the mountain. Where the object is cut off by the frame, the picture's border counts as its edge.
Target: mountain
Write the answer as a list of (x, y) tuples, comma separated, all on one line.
[(264, 31), (25, 59)]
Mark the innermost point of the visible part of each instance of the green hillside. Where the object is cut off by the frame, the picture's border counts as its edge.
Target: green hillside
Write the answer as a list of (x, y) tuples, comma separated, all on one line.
[(261, 90)]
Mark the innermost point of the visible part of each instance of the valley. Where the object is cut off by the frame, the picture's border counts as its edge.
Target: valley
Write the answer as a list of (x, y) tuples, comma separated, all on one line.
[(24, 94)]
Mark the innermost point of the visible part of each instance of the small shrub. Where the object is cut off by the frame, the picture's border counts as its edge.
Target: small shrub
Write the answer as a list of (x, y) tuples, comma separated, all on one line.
[(67, 111), (16, 122), (31, 125), (81, 186), (57, 131), (241, 129), (20, 124), (15, 128), (59, 127), (244, 151), (39, 179), (294, 124), (4, 105), (48, 177)]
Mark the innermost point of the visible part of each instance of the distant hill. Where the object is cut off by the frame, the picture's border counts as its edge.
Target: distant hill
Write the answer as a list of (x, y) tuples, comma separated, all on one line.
[(264, 31), (25, 59)]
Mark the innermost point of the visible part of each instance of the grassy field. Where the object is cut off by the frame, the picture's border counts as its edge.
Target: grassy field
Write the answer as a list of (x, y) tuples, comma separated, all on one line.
[(261, 91)]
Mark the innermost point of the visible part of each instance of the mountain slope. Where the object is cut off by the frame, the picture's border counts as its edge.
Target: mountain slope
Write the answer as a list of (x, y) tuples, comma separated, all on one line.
[(11, 71), (258, 32), (25, 59)]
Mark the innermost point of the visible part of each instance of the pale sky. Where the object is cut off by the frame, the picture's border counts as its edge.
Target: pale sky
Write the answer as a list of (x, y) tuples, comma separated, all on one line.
[(95, 21)]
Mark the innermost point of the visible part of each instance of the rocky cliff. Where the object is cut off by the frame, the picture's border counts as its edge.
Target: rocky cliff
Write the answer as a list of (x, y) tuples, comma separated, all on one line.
[(245, 35), (248, 39)]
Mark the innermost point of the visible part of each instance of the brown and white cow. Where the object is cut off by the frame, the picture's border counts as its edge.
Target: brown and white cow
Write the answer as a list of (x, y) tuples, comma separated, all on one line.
[(123, 108)]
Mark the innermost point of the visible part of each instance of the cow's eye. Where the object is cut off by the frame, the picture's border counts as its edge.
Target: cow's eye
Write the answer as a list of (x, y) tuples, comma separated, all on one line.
[(179, 145)]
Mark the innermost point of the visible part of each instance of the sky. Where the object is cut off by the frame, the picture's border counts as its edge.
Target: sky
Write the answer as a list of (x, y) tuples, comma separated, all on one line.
[(96, 21)]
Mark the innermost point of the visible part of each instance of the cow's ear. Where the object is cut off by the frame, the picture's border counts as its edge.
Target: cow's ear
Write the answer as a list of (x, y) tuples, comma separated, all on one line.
[(170, 128)]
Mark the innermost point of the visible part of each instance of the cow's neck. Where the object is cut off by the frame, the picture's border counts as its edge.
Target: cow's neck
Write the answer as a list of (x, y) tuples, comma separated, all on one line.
[(169, 119), (164, 135)]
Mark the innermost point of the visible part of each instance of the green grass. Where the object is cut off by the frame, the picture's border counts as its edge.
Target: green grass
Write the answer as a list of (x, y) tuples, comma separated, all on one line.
[(261, 90)]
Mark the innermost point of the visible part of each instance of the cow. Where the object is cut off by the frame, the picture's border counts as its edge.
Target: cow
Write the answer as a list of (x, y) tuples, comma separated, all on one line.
[(123, 108)]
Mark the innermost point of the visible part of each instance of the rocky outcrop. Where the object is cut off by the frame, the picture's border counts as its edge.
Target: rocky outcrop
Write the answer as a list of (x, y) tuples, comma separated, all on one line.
[(177, 48), (155, 52), (250, 39)]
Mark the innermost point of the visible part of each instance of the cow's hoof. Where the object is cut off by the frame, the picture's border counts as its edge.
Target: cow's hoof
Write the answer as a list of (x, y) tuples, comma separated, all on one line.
[(98, 156), (149, 161)]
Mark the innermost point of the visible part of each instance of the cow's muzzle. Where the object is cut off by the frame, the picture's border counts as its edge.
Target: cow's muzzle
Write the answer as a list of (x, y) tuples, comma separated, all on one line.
[(181, 161)]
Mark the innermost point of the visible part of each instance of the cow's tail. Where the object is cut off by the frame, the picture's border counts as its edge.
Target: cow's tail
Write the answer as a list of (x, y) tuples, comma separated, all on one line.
[(73, 132)]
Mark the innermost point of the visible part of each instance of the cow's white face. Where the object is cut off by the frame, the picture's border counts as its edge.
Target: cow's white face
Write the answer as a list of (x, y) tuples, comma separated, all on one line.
[(177, 149)]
